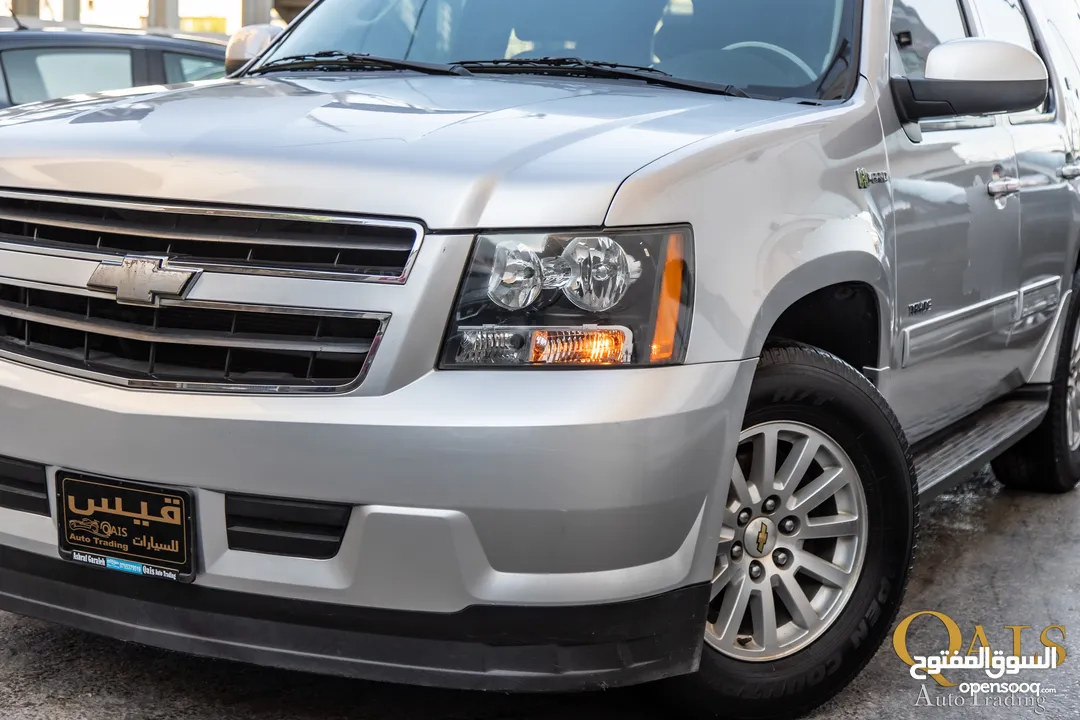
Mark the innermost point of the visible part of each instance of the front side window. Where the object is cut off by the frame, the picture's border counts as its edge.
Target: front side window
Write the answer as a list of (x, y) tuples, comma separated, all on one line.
[(40, 74), (191, 68), (789, 48), (919, 26)]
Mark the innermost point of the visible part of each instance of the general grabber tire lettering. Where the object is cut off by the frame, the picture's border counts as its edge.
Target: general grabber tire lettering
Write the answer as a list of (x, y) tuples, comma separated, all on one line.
[(1048, 460), (861, 468)]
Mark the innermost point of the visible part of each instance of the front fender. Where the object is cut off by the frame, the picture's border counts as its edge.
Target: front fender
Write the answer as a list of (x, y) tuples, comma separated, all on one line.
[(778, 213)]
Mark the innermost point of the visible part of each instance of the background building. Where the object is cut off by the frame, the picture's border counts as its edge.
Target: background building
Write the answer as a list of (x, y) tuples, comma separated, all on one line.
[(203, 16)]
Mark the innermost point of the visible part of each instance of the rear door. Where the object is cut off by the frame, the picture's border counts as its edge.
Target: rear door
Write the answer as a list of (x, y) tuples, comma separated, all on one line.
[(1045, 157)]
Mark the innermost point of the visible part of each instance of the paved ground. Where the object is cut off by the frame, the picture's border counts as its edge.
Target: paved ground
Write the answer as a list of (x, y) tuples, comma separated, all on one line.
[(989, 557)]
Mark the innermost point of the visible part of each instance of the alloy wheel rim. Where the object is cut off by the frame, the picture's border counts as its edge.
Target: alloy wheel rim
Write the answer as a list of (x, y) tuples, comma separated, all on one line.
[(792, 546), (1072, 394)]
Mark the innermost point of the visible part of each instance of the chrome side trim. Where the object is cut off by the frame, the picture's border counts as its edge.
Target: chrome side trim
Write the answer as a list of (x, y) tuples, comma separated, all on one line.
[(1042, 369), (1039, 296), (417, 229), (203, 387), (935, 336)]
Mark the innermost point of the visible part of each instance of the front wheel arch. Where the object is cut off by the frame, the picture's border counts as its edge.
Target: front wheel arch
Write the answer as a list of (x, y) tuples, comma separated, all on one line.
[(806, 284)]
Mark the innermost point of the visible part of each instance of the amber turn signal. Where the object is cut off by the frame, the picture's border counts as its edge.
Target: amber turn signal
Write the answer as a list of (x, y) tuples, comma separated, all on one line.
[(670, 301), (584, 346)]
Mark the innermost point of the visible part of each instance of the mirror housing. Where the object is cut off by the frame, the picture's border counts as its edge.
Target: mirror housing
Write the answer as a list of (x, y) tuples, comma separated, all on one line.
[(973, 76), (249, 43)]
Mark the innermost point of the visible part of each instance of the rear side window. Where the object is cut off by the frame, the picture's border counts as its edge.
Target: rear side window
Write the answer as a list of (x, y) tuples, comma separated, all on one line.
[(919, 26), (181, 68), (47, 73), (1007, 21)]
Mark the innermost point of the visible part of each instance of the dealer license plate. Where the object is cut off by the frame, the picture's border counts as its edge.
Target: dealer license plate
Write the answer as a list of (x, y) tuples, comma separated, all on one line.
[(125, 526)]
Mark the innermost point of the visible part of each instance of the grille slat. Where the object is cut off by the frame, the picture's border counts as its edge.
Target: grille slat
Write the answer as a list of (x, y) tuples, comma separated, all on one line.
[(156, 346), (181, 337), (236, 240), (38, 220)]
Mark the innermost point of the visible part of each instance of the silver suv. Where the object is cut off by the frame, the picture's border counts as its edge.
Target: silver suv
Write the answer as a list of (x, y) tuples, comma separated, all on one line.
[(534, 345)]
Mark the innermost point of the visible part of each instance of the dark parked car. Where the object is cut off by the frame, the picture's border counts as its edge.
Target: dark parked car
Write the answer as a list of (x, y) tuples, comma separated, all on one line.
[(43, 64)]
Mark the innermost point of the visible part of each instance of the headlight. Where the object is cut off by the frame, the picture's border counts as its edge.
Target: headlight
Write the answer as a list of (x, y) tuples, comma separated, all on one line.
[(615, 298)]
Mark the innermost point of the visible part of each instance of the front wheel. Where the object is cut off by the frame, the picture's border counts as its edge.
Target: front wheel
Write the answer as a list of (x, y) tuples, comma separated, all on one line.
[(817, 544)]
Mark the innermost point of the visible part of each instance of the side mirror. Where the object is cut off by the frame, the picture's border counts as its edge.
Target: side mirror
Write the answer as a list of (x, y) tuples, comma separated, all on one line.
[(249, 43), (973, 76)]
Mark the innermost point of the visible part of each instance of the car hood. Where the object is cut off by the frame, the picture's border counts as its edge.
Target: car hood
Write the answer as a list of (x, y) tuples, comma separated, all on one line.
[(452, 152)]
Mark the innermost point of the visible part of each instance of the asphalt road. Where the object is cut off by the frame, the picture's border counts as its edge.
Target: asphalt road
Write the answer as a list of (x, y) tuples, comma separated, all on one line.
[(988, 557)]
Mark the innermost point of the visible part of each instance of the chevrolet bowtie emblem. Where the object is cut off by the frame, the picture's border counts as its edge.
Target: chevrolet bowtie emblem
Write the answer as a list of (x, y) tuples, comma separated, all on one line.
[(762, 538), (141, 280)]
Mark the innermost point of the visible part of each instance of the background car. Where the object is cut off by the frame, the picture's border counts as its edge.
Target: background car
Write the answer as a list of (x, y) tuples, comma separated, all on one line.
[(40, 64)]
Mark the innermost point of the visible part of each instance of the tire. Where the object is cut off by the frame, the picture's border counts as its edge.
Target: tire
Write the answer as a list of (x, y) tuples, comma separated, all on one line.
[(807, 388), (1046, 461)]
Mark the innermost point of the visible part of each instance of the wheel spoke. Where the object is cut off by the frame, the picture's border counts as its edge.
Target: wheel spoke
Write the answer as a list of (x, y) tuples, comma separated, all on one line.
[(823, 570), (732, 612), (821, 489), (763, 612), (796, 602), (763, 464), (795, 466), (834, 526), (1070, 418), (741, 488), (725, 577)]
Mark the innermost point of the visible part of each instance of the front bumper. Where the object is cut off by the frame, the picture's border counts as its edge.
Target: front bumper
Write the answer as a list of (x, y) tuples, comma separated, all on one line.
[(598, 490), (501, 648), (554, 544)]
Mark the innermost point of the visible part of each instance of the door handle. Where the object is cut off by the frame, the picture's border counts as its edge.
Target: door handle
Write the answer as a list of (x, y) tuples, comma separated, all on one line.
[(1004, 186), (1070, 171)]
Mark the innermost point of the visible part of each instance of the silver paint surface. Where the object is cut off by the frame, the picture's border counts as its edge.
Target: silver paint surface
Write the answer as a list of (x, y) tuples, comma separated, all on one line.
[(535, 486)]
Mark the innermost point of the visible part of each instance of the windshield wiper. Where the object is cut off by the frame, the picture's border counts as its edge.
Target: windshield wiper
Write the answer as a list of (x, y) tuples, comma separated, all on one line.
[(327, 59), (596, 68)]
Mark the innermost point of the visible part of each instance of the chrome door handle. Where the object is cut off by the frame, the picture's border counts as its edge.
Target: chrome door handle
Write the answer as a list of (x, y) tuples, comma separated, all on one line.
[(1004, 186), (1070, 172)]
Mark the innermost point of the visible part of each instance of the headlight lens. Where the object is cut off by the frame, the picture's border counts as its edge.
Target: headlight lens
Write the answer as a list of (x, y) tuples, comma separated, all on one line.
[(578, 299)]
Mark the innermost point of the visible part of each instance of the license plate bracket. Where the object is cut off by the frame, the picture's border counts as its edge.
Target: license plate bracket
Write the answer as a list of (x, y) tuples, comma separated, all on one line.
[(126, 526)]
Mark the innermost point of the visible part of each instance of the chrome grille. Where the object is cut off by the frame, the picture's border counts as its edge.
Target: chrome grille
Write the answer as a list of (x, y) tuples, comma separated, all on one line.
[(227, 239), (189, 346)]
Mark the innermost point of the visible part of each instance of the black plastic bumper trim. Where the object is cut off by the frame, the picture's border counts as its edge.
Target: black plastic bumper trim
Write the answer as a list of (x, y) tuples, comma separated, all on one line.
[(285, 527), (23, 486), (483, 647)]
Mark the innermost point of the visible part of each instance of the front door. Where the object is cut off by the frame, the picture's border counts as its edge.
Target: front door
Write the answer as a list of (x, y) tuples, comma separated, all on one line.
[(957, 220)]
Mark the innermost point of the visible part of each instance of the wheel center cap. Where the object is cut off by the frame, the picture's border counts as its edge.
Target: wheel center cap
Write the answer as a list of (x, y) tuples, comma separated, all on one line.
[(760, 537)]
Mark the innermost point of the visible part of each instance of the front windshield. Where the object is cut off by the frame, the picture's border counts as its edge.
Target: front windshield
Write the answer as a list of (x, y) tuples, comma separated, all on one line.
[(789, 48)]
